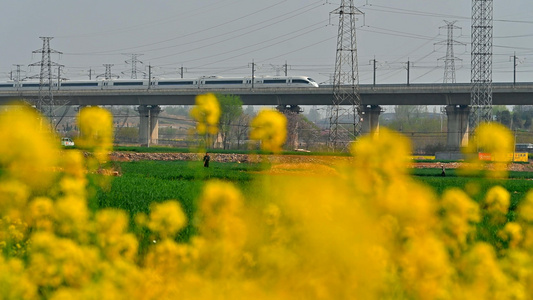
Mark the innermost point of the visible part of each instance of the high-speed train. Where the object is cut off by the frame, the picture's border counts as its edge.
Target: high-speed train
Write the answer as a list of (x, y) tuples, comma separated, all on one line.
[(162, 83)]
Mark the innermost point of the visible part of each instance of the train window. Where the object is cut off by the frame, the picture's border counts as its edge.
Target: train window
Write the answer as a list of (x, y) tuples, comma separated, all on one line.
[(223, 82), (175, 83), (273, 81), (81, 84), (300, 81), (6, 85), (32, 85), (127, 83)]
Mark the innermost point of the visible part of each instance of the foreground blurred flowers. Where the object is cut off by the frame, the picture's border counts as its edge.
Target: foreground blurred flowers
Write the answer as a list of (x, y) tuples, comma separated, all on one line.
[(206, 112), (269, 127), (368, 232)]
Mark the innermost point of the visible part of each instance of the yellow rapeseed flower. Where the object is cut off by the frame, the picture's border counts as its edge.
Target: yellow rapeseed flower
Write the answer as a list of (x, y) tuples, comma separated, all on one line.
[(13, 198), (167, 218), (73, 163), (14, 281), (460, 214), (206, 113), (497, 200), (28, 149), (96, 129), (72, 217), (480, 275), (384, 155), (270, 128), (426, 269), (525, 208), (55, 261), (219, 213), (512, 234), (493, 138), (169, 258), (41, 214), (111, 226)]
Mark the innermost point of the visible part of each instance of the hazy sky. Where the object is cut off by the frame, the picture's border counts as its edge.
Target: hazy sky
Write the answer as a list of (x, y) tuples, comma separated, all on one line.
[(223, 37)]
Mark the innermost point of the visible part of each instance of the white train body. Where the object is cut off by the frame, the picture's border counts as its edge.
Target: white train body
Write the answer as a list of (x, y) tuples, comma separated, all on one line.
[(213, 82)]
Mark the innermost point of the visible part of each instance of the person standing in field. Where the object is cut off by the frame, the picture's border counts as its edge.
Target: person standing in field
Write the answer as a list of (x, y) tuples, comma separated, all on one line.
[(206, 160)]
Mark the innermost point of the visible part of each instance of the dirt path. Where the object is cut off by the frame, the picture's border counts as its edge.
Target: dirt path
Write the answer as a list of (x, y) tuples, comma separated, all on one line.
[(297, 159)]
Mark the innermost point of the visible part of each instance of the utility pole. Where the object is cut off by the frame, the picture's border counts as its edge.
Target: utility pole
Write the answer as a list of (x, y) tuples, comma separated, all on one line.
[(286, 67), (181, 72), (481, 73), (516, 61), (90, 74), (345, 81), (45, 103), (149, 76), (514, 69), (253, 73), (373, 61), (408, 69), (59, 77)]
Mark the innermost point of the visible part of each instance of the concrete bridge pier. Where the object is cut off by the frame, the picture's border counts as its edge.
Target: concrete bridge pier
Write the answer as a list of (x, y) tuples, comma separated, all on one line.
[(458, 127), (370, 118), (148, 124)]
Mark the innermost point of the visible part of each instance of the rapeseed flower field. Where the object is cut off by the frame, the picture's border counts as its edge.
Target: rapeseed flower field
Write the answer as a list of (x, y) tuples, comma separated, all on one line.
[(367, 230)]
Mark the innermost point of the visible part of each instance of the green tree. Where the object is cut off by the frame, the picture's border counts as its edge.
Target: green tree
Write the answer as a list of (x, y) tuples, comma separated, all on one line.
[(127, 134), (503, 115), (231, 110), (414, 118), (241, 129)]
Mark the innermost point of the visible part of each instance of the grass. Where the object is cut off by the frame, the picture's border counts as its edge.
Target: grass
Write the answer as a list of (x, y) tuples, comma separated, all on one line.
[(518, 184), (144, 182)]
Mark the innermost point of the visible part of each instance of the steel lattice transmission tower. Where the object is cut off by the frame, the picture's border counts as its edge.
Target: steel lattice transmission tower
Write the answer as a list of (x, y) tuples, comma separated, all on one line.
[(346, 99), (133, 61), (481, 92), (45, 104), (449, 60), (107, 74)]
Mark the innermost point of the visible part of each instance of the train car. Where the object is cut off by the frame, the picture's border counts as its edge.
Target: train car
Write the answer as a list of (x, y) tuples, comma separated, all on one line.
[(8, 86), (126, 84), (35, 85), (222, 82), (246, 82), (214, 82), (81, 85), (303, 81), (175, 83), (295, 81)]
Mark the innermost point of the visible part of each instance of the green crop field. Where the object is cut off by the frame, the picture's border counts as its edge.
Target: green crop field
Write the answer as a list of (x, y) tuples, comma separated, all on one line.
[(517, 183), (144, 182)]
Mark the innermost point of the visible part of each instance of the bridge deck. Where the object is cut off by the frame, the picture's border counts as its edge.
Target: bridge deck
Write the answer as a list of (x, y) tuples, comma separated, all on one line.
[(389, 94)]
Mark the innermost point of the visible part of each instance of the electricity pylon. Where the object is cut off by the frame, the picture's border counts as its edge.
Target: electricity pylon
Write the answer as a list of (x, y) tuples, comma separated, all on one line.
[(449, 59), (481, 90), (45, 104), (133, 61), (344, 114), (107, 75)]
